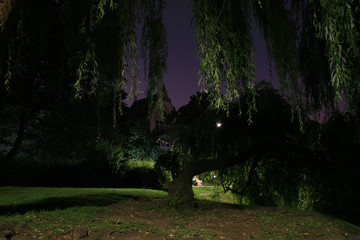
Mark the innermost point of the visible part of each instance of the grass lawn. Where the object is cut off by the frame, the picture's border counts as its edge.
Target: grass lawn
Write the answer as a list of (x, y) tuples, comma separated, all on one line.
[(73, 213)]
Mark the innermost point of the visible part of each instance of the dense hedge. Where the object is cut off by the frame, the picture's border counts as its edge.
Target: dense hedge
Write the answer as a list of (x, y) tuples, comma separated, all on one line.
[(98, 165)]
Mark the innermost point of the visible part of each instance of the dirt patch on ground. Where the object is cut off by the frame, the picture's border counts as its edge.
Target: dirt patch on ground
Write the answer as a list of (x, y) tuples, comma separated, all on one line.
[(13, 231), (209, 221), (153, 220)]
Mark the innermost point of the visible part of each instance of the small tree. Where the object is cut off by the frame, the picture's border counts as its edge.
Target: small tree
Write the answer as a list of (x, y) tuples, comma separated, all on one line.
[(141, 144)]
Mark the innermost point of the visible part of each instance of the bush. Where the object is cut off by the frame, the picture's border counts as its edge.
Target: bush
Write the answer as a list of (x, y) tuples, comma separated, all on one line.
[(101, 164), (97, 164), (209, 178), (141, 144), (169, 162), (143, 174)]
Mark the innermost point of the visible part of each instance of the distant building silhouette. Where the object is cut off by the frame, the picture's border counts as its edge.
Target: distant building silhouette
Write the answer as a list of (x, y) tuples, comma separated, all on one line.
[(140, 111), (152, 119)]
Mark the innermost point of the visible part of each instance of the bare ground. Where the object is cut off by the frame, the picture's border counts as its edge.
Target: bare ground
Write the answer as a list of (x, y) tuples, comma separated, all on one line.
[(153, 220)]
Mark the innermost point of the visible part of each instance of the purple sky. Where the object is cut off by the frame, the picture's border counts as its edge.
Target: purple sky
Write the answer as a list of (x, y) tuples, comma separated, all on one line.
[(181, 80)]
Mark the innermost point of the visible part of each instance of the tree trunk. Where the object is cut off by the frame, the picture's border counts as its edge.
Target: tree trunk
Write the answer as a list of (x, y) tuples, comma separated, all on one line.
[(180, 189), (25, 116), (8, 20), (5, 10), (2, 84)]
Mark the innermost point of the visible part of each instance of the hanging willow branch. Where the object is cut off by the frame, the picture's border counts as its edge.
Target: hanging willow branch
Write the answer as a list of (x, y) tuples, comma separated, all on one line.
[(278, 27), (337, 22), (104, 34), (100, 41), (295, 45), (154, 51), (111, 52), (225, 51)]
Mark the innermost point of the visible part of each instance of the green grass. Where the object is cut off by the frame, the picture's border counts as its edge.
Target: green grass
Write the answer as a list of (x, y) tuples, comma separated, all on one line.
[(59, 210), (21, 204), (214, 193), (288, 223), (23, 195), (54, 213)]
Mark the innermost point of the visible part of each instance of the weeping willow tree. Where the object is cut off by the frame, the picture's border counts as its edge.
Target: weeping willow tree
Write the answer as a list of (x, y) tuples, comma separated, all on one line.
[(312, 44)]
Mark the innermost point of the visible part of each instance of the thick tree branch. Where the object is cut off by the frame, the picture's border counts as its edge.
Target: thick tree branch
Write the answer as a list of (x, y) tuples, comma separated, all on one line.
[(251, 175), (204, 165), (182, 185)]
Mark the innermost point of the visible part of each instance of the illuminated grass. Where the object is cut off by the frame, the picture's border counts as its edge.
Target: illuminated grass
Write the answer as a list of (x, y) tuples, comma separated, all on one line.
[(215, 193)]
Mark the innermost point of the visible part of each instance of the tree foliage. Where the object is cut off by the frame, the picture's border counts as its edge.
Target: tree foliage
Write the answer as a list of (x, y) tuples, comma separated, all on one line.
[(338, 24), (299, 35), (227, 70), (141, 144), (271, 162), (100, 42), (194, 134)]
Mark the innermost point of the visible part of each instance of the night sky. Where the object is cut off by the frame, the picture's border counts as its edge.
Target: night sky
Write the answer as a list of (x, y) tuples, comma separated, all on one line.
[(181, 80)]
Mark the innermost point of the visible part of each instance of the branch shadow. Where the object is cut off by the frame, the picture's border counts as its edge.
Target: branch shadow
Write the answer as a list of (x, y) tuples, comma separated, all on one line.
[(56, 203)]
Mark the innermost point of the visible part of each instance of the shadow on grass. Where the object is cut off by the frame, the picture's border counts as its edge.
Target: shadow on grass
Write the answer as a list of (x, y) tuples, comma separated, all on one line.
[(54, 203), (351, 218)]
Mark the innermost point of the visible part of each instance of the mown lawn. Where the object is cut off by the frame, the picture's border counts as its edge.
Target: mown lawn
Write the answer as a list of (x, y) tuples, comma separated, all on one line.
[(71, 213)]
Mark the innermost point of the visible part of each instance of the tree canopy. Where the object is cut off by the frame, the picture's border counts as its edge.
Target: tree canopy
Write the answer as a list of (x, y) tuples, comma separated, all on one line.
[(313, 44)]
